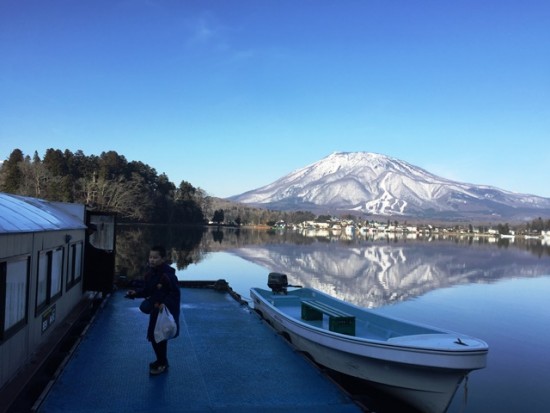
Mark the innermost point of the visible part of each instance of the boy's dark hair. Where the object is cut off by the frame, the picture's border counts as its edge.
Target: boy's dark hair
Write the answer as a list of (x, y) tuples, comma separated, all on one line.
[(160, 249)]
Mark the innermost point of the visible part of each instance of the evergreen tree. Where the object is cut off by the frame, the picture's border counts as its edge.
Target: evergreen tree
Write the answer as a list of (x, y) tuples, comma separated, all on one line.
[(11, 172), (111, 165), (55, 162), (58, 182), (163, 199), (218, 216), (186, 191)]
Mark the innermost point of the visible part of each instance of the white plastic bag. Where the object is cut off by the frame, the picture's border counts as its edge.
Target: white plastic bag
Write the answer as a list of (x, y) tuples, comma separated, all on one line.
[(166, 327)]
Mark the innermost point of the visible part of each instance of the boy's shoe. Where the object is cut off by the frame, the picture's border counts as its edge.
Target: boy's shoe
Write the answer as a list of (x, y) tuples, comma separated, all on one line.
[(158, 369), (155, 364)]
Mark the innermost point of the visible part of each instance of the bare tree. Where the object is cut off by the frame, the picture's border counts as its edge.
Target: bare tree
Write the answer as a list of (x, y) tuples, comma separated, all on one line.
[(127, 197)]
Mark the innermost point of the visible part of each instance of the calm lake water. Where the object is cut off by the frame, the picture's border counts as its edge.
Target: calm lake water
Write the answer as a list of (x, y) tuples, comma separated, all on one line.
[(494, 291)]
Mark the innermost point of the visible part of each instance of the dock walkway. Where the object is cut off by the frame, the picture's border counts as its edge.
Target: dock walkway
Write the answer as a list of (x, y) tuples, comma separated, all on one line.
[(225, 360)]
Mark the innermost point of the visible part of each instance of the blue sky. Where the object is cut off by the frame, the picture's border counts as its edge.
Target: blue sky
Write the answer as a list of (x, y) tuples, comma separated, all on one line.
[(232, 95)]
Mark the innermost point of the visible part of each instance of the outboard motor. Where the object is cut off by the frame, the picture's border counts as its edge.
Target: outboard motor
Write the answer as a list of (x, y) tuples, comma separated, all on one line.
[(277, 282)]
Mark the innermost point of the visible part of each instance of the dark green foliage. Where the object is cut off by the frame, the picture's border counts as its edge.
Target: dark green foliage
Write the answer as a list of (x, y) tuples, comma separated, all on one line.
[(12, 174), (55, 161), (301, 216), (107, 183), (186, 191), (538, 225), (219, 216)]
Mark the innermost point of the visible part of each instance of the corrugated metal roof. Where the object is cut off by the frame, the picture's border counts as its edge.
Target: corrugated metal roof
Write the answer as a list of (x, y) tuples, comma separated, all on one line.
[(25, 214)]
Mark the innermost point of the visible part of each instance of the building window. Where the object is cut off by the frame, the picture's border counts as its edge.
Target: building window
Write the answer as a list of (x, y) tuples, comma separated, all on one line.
[(42, 285), (14, 284), (56, 273), (74, 271), (50, 277)]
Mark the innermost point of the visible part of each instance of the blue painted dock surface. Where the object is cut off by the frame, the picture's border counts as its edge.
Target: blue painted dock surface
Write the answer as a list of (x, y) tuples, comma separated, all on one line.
[(225, 360)]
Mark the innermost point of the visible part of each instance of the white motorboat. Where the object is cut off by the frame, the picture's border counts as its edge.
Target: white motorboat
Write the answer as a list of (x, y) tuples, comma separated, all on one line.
[(418, 364)]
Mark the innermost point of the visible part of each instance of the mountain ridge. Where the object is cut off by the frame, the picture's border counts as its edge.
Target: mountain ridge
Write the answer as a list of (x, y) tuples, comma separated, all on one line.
[(376, 184)]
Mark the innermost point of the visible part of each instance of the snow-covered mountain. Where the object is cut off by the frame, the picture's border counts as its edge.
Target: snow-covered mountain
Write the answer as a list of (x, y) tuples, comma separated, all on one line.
[(379, 185)]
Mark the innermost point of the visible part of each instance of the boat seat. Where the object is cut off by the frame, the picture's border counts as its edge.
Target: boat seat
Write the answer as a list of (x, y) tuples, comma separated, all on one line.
[(339, 321)]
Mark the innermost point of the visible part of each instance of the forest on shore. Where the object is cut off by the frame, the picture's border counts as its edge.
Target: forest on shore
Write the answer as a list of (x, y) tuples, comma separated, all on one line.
[(133, 190)]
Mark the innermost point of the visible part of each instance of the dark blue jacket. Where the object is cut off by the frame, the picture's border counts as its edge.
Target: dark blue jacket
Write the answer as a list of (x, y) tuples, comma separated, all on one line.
[(161, 286)]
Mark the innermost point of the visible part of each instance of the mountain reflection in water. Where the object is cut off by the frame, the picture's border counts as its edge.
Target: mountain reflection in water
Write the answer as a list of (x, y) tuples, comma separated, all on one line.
[(367, 272), (373, 275)]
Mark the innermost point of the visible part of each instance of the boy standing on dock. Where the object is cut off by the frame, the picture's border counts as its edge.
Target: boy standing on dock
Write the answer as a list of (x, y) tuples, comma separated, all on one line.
[(162, 290)]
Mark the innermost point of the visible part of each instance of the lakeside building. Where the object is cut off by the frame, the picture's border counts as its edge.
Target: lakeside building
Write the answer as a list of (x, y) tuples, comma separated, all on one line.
[(43, 271)]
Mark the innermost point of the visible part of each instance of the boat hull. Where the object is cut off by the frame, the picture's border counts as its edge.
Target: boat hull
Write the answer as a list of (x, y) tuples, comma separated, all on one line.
[(423, 378)]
